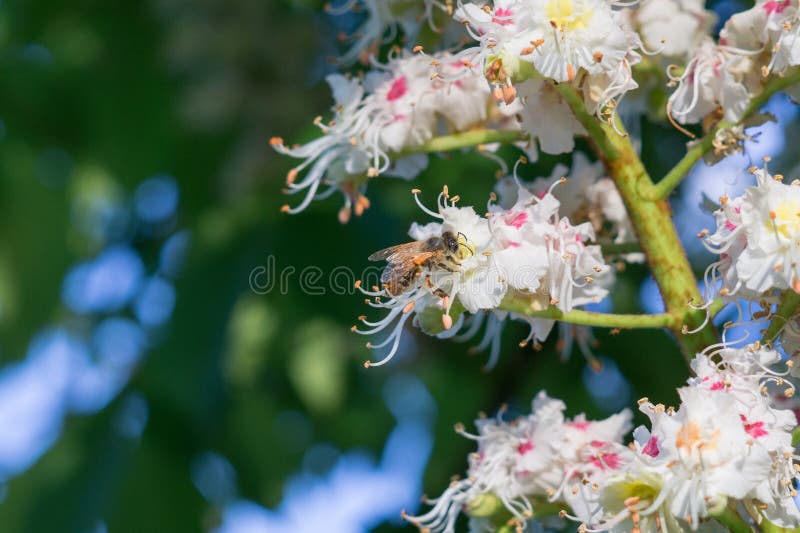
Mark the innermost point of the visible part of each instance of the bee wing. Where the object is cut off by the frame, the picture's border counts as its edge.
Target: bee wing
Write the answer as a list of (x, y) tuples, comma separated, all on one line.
[(397, 253), (393, 272)]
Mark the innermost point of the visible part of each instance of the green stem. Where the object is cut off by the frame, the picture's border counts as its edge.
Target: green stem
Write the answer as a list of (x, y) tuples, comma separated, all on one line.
[(768, 527), (466, 139), (588, 318), (715, 307), (672, 179), (788, 306), (653, 225), (612, 248), (733, 521)]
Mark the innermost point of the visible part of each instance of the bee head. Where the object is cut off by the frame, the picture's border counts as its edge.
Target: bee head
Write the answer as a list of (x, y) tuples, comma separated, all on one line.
[(450, 242), (457, 245)]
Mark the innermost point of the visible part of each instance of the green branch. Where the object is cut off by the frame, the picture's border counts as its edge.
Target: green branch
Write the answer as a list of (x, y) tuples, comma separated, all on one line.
[(788, 306), (673, 178), (587, 318), (768, 527), (732, 520), (466, 139), (613, 248), (652, 222), (715, 307)]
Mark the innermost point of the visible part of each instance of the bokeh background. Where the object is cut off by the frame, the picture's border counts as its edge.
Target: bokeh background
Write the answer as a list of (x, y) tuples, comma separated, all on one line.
[(143, 385)]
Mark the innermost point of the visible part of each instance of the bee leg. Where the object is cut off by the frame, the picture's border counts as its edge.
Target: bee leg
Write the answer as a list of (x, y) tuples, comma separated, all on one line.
[(446, 266)]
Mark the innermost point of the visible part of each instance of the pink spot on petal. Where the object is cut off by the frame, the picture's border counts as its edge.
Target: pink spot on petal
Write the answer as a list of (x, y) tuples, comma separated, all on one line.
[(755, 430), (717, 385), (730, 225), (607, 460), (502, 16), (580, 426), (398, 89), (517, 220), (651, 448), (525, 447), (771, 6)]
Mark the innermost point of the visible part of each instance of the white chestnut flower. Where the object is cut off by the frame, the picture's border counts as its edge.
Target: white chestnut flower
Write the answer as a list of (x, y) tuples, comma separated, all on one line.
[(586, 195), (757, 239), (712, 79), (383, 20), (672, 28), (471, 263), (539, 457), (560, 40), (395, 107)]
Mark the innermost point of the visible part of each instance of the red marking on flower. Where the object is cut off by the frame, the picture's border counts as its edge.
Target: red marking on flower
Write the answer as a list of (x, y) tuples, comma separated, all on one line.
[(730, 225), (398, 89), (771, 6), (517, 220), (525, 447), (597, 443), (513, 244), (503, 16), (651, 448), (580, 426), (607, 460), (717, 385), (755, 430)]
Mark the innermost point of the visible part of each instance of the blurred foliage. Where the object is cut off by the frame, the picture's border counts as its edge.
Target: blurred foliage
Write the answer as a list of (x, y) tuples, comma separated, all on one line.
[(98, 96)]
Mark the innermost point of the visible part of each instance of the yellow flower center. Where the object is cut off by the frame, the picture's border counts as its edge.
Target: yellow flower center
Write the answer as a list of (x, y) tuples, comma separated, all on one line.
[(690, 436), (787, 218), (563, 16)]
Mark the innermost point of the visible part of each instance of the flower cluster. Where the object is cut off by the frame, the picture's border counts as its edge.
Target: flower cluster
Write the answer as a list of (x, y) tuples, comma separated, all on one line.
[(583, 42), (382, 21), (727, 444), (587, 195), (539, 457), (673, 28), (526, 252), (757, 239), (721, 77), (394, 107)]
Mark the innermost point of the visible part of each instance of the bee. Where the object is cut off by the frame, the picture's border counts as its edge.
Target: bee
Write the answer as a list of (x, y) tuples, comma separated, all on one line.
[(406, 261)]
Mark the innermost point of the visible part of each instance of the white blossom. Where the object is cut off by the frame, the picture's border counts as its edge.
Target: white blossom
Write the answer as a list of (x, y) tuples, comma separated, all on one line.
[(542, 456), (757, 239), (587, 195), (768, 29), (394, 107), (383, 20), (672, 28), (710, 81), (527, 251)]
